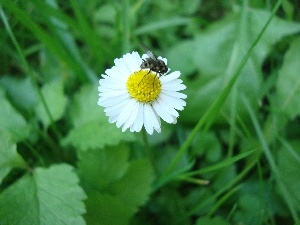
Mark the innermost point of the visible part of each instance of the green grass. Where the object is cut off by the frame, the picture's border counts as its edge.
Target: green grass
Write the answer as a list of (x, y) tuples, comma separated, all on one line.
[(232, 158)]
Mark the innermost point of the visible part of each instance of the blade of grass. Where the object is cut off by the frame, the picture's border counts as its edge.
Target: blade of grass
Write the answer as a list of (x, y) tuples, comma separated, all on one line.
[(157, 25), (61, 30), (29, 71), (85, 32), (125, 26), (91, 39), (220, 165), (207, 120), (223, 200), (286, 195), (290, 149), (50, 40), (251, 163)]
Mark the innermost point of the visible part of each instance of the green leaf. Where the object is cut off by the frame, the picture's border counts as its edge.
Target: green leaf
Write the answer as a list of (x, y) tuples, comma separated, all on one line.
[(50, 196), (9, 157), (116, 188), (90, 136), (185, 63), (99, 168), (288, 83), (289, 167), (11, 121), (21, 91), (217, 59), (106, 209), (249, 212), (55, 100), (208, 144), (84, 108), (212, 221), (91, 124), (134, 187), (162, 24)]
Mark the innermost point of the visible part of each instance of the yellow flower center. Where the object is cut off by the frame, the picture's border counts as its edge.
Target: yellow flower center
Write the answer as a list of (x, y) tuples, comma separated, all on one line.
[(144, 86)]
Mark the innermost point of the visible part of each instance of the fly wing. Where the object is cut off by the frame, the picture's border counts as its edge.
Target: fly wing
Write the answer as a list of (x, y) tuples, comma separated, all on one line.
[(151, 55), (148, 51)]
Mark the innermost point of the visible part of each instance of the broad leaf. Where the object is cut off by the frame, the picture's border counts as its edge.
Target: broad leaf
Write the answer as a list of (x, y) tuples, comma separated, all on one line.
[(100, 168), (84, 107), (50, 196), (55, 100), (115, 187), (12, 121), (21, 91), (135, 186), (289, 167), (107, 209), (90, 123), (212, 221), (249, 211), (9, 157), (288, 83)]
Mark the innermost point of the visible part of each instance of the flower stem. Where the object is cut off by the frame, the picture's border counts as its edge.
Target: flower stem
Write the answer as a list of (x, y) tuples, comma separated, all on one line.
[(148, 150)]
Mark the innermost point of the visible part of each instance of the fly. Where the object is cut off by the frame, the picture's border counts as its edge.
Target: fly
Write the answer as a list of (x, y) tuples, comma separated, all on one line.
[(153, 64)]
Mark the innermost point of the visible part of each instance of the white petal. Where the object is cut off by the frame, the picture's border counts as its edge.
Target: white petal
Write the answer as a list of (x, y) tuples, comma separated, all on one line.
[(167, 107), (112, 94), (147, 123), (125, 113), (118, 73), (112, 83), (172, 76), (150, 120), (138, 124), (158, 129), (162, 112), (174, 94), (133, 61), (123, 70), (175, 103), (116, 109), (132, 117), (105, 102), (170, 87)]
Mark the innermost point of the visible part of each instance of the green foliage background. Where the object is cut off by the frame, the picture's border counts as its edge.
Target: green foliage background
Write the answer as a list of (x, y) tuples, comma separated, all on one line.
[(232, 158)]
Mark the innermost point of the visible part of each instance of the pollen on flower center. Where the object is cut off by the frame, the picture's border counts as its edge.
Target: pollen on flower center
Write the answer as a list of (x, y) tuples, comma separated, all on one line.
[(144, 86)]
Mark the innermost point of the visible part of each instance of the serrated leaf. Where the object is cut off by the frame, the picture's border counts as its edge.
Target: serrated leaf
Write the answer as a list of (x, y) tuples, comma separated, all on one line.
[(218, 52), (56, 101), (9, 157), (12, 121), (84, 108), (116, 203), (288, 83), (91, 127), (115, 186), (50, 196), (100, 167), (95, 135)]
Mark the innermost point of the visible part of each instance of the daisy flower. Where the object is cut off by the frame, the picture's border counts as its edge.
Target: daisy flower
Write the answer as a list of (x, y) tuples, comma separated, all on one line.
[(133, 97)]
